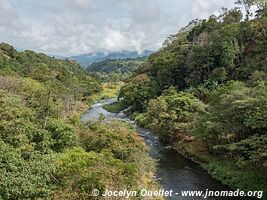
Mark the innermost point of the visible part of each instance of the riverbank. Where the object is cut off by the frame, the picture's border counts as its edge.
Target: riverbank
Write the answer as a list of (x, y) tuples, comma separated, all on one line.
[(174, 171), (119, 139), (109, 90), (223, 170), (115, 107), (220, 168)]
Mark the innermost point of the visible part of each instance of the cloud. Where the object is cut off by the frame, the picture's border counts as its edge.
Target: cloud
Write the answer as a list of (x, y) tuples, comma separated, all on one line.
[(204, 8), (79, 4), (8, 15), (145, 12), (67, 27)]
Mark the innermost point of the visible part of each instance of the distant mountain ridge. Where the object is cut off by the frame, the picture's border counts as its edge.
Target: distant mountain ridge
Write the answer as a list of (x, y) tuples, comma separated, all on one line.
[(86, 59), (121, 66)]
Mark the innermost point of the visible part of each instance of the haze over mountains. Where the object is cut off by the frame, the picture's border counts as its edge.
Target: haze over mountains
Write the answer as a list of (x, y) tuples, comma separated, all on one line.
[(87, 59)]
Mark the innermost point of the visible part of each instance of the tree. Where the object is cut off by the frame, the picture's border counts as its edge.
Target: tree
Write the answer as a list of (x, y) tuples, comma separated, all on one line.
[(247, 4), (231, 16), (63, 135), (171, 114), (28, 179), (137, 92), (236, 113)]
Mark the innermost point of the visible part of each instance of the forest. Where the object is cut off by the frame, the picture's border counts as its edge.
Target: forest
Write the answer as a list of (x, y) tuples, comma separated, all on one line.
[(45, 151), (202, 95), (114, 70), (205, 93)]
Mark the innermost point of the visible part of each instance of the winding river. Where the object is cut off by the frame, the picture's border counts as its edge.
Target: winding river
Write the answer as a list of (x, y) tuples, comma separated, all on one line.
[(174, 172)]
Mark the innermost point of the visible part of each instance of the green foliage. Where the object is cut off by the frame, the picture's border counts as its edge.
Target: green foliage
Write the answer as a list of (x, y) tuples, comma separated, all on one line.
[(66, 74), (115, 138), (249, 178), (63, 135), (20, 178), (16, 124), (171, 114), (248, 4), (41, 154), (117, 65), (244, 106), (231, 16), (113, 157), (137, 92), (251, 151), (163, 74), (204, 91), (219, 61), (217, 49), (81, 172), (114, 70), (115, 107)]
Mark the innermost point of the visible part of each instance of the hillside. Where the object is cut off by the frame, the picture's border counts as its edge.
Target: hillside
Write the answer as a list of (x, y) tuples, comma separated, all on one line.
[(126, 66), (86, 59), (45, 152), (205, 93)]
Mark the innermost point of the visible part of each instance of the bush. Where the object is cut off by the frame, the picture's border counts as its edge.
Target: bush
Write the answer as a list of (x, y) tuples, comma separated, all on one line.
[(172, 113), (62, 134), (19, 178), (15, 120), (236, 112), (80, 172)]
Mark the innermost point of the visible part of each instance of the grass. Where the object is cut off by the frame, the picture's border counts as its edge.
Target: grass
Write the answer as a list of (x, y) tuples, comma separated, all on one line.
[(230, 174), (225, 170), (109, 90), (114, 107)]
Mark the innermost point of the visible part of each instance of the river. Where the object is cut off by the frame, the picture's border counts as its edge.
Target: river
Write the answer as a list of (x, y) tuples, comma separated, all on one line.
[(174, 171)]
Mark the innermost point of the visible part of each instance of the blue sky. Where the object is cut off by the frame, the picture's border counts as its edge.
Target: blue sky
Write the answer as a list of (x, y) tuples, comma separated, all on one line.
[(70, 27)]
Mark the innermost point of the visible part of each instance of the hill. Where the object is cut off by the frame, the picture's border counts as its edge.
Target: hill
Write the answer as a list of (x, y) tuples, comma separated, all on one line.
[(116, 65), (205, 93), (45, 152), (86, 59), (65, 74)]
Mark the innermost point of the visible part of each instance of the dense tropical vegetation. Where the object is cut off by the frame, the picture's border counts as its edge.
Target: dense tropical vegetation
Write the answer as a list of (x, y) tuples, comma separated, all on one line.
[(45, 153), (114, 70), (205, 92)]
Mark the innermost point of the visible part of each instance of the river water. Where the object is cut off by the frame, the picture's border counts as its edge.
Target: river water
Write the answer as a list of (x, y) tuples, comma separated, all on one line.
[(174, 172)]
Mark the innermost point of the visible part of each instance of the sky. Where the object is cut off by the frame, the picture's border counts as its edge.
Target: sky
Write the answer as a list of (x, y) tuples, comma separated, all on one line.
[(72, 27)]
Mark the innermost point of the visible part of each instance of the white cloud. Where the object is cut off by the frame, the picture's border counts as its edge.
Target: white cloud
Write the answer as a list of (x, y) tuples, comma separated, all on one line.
[(79, 4), (204, 8), (8, 15), (67, 27)]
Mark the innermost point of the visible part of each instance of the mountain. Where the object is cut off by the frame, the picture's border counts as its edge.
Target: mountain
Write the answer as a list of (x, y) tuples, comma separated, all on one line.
[(87, 59), (206, 88), (128, 54), (109, 66), (57, 56)]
